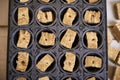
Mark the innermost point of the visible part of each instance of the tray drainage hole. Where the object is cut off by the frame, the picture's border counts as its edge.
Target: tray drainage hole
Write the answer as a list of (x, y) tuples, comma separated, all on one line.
[(45, 62), (69, 1), (92, 78), (69, 62), (91, 1), (46, 1), (46, 39), (23, 16), (92, 16), (22, 62), (69, 16), (46, 16), (22, 39), (92, 39), (93, 62)]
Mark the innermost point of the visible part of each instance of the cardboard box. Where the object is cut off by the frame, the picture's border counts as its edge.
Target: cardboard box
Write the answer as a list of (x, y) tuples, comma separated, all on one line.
[(3, 52), (4, 12)]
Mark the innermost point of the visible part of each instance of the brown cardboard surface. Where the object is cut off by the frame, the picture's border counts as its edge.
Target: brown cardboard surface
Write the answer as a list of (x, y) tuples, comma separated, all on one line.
[(3, 52), (4, 12)]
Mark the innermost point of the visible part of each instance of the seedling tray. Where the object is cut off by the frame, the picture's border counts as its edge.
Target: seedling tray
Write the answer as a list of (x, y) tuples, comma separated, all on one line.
[(37, 51)]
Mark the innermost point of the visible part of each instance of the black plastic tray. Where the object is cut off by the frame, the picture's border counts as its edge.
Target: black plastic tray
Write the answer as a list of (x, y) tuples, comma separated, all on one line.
[(57, 51)]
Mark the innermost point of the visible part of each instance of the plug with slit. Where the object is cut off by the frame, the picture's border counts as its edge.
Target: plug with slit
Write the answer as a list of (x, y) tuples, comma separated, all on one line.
[(44, 63), (93, 61), (47, 39), (45, 16)]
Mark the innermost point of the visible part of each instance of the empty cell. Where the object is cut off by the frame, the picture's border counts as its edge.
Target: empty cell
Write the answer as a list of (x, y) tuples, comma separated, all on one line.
[(24, 39), (69, 62), (93, 61), (23, 16), (69, 17), (92, 17), (92, 40), (22, 62), (45, 62), (68, 38), (47, 39)]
